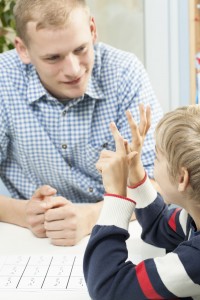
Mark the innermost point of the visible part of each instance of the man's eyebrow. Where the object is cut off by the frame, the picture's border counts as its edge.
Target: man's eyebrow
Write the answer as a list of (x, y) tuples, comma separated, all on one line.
[(58, 54), (82, 45), (49, 55)]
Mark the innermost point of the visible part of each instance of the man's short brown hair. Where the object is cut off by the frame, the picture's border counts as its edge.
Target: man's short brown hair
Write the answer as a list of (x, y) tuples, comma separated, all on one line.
[(46, 13)]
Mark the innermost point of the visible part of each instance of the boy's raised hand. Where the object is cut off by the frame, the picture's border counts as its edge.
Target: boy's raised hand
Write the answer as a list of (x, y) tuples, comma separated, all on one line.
[(138, 133), (124, 165)]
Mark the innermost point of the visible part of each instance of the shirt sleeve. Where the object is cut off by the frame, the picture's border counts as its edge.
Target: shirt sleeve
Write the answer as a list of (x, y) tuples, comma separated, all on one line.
[(108, 273), (4, 140), (135, 88), (161, 226)]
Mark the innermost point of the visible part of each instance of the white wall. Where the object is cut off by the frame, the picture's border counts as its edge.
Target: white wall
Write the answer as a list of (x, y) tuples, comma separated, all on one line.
[(120, 23), (167, 50), (157, 32)]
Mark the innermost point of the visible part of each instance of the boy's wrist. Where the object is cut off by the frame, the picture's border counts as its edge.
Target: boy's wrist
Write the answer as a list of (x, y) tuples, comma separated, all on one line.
[(117, 187), (134, 186), (143, 192), (136, 176)]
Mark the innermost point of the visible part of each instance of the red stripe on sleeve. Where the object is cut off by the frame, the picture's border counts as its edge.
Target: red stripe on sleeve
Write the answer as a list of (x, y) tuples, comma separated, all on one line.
[(172, 222), (145, 282)]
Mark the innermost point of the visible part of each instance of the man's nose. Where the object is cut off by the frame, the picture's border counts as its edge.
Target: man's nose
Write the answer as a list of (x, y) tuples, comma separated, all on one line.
[(71, 67)]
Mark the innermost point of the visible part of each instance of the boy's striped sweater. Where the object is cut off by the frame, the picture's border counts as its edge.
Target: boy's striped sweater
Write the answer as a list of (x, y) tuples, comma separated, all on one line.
[(108, 274)]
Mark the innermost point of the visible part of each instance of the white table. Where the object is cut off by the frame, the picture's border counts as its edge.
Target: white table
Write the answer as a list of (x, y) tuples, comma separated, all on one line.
[(16, 240)]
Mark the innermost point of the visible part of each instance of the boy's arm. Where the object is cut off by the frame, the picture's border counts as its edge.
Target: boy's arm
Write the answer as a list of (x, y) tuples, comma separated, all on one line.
[(110, 276), (161, 226)]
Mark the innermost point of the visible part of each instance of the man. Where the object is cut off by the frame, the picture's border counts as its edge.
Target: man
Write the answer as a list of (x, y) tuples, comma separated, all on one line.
[(59, 91)]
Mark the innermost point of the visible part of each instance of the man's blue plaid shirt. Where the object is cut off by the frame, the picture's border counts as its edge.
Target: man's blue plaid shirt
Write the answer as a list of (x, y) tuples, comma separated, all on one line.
[(43, 141)]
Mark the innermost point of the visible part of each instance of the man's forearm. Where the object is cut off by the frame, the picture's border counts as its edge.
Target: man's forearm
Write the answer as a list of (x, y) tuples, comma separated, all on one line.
[(92, 212), (13, 211)]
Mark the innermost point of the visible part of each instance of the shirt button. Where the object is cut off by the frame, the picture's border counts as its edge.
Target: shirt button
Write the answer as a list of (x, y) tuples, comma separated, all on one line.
[(105, 145), (64, 113), (90, 189), (64, 146)]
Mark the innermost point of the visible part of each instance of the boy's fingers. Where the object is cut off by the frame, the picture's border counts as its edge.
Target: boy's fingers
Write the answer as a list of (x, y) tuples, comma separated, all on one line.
[(101, 164), (119, 141), (132, 155), (133, 126), (105, 153), (143, 119), (145, 122), (127, 146), (99, 167), (148, 116)]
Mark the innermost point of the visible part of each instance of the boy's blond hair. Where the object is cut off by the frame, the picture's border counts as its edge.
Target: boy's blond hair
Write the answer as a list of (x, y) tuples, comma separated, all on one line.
[(178, 138), (47, 13)]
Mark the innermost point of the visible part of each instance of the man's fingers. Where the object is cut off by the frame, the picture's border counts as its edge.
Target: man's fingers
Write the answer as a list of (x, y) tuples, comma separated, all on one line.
[(54, 202), (54, 225), (119, 141), (43, 191)]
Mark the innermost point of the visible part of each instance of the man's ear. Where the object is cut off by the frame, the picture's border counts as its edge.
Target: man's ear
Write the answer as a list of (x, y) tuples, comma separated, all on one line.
[(183, 179), (93, 29), (22, 51)]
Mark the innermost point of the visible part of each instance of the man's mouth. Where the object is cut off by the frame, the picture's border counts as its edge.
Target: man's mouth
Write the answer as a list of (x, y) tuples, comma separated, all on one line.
[(74, 81)]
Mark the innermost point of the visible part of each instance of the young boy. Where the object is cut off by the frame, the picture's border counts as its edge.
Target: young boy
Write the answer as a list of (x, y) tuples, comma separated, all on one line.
[(177, 170)]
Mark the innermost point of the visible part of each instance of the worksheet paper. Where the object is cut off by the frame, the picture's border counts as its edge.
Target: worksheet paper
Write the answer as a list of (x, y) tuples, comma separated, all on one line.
[(42, 272)]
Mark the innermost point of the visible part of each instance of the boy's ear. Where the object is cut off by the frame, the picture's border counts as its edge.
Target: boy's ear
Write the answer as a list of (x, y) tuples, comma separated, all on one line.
[(22, 50), (183, 179)]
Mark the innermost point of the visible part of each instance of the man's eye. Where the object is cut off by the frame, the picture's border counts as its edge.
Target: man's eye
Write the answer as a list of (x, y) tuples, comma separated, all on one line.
[(52, 58), (81, 49)]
